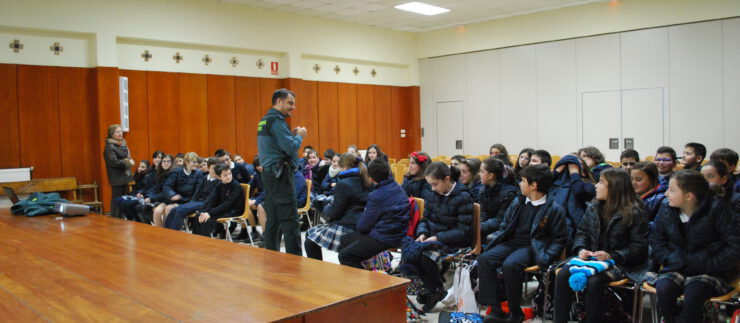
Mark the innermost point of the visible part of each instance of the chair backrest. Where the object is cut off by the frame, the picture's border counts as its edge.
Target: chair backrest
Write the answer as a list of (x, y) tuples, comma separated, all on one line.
[(247, 210), (476, 229), (420, 204), (398, 171)]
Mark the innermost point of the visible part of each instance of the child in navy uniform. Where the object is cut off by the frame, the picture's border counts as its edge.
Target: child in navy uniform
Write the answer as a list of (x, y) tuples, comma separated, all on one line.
[(533, 232), (226, 200)]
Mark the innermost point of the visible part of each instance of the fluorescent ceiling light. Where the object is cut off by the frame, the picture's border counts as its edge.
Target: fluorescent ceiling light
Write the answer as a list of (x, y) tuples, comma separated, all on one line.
[(422, 8)]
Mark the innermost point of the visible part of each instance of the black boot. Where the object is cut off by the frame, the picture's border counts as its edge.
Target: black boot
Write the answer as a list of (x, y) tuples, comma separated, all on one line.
[(432, 299)]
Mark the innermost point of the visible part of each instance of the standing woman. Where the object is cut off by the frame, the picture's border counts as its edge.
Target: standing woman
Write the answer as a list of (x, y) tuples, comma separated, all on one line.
[(414, 182), (118, 164), (613, 227)]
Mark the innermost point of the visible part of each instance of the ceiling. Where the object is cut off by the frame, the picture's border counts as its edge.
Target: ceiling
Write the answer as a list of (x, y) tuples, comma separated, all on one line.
[(380, 13)]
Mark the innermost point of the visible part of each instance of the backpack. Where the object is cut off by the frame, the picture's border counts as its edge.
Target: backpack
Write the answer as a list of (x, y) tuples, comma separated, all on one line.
[(37, 204), (414, 218)]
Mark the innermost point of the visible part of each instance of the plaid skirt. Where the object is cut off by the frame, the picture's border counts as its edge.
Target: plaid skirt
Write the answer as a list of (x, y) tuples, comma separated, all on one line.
[(439, 254), (328, 236), (719, 284)]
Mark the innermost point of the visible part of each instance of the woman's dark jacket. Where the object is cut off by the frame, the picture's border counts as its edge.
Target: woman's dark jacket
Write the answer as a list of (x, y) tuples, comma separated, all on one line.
[(349, 200), (116, 162), (710, 245), (548, 234), (494, 200), (449, 218)]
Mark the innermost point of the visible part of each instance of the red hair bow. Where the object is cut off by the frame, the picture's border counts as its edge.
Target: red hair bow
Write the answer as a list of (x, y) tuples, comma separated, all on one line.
[(419, 157)]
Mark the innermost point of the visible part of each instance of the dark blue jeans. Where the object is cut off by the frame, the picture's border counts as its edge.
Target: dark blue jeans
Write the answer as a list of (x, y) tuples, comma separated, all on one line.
[(177, 215)]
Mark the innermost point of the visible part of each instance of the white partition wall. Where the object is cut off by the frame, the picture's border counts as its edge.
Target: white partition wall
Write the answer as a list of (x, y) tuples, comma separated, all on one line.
[(659, 86)]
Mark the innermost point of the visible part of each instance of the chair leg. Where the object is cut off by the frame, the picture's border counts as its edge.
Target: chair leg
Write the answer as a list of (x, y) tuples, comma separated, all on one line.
[(308, 217), (227, 224), (635, 292), (249, 234), (185, 224), (545, 302), (640, 304), (654, 307)]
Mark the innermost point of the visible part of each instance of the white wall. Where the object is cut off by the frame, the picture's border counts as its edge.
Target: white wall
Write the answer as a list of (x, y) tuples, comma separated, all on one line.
[(115, 33), (666, 85)]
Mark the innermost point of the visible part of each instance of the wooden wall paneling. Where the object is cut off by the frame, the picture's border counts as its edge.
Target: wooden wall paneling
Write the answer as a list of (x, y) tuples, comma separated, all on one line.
[(383, 119), (38, 115), (365, 115), (307, 114), (137, 137), (328, 110), (248, 114), (164, 128), (267, 87), (10, 151), (399, 110), (221, 113), (347, 117), (413, 130), (193, 113), (108, 112), (78, 121)]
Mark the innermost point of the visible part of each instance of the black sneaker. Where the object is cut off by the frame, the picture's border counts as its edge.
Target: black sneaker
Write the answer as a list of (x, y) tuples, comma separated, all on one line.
[(432, 299), (495, 316)]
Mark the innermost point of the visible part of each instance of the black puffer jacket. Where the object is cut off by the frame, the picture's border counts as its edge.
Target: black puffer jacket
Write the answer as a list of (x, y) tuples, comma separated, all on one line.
[(627, 245), (349, 200), (416, 187), (711, 245), (548, 233), (449, 218), (494, 200), (116, 162)]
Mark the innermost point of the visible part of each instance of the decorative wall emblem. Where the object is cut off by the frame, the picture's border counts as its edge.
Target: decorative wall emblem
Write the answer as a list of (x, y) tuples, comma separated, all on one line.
[(356, 71), (146, 55), (56, 48), (234, 62), (337, 69), (316, 68), (16, 45), (178, 57), (207, 60), (373, 73), (260, 64)]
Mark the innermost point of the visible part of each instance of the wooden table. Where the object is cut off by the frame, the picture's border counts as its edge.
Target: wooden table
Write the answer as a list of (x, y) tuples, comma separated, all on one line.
[(97, 268)]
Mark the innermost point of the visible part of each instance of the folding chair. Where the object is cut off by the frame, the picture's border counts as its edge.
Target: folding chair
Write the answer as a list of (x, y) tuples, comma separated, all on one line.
[(306, 208), (247, 218)]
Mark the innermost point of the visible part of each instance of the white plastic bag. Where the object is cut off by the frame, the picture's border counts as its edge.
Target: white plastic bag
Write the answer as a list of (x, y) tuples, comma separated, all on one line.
[(463, 290)]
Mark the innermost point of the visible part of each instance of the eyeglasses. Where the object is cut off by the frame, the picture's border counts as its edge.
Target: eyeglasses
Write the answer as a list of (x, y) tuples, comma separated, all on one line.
[(628, 164), (663, 160)]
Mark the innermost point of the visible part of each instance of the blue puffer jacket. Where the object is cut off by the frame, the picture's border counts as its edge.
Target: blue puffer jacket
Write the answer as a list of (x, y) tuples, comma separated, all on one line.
[(596, 171), (326, 188), (572, 193), (449, 218), (386, 216), (475, 188), (494, 200), (301, 189), (710, 246), (180, 183), (654, 199), (349, 200), (416, 188)]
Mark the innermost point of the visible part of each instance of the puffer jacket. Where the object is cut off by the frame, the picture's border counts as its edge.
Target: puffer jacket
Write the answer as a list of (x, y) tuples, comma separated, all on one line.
[(548, 234), (416, 187), (710, 246), (494, 200), (627, 245), (349, 200), (449, 218), (180, 183)]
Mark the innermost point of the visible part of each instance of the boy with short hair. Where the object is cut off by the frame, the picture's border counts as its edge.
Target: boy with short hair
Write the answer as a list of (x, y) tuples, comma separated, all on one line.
[(665, 160), (729, 157), (383, 223), (533, 232), (629, 158), (541, 156), (693, 155), (226, 200)]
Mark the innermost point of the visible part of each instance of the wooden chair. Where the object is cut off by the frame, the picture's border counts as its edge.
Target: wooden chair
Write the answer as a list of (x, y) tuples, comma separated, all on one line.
[(307, 207), (398, 171), (391, 160), (651, 292), (477, 243), (246, 218), (95, 204), (404, 161)]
